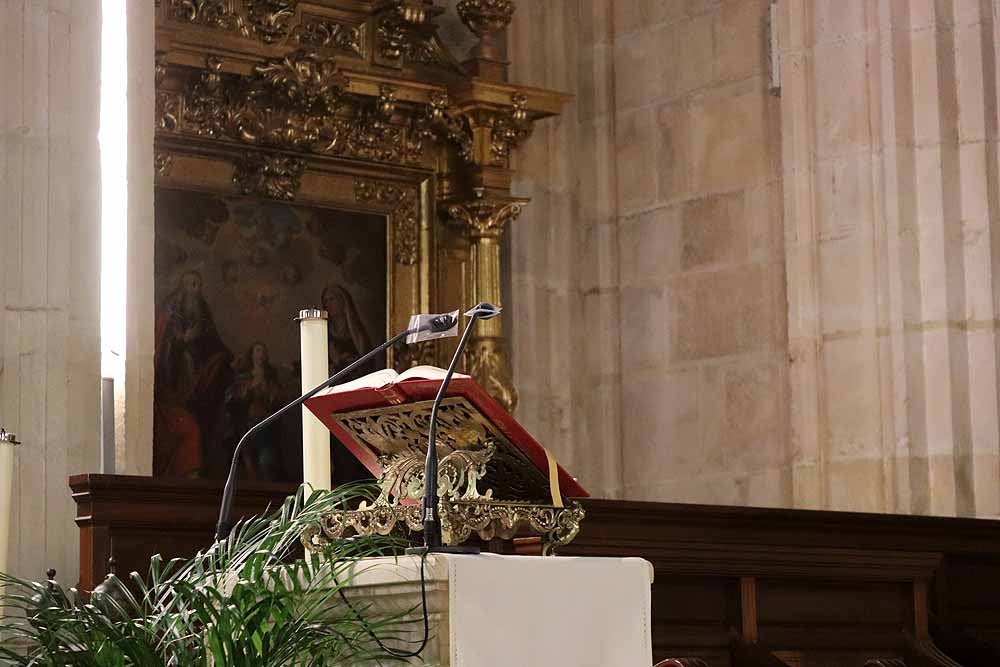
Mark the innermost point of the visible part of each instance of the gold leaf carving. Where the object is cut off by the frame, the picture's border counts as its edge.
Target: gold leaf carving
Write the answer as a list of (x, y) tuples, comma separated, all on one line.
[(160, 67), (509, 130), (294, 103), (456, 128), (404, 203), (484, 216), (269, 19), (162, 163), (401, 431), (302, 82), (404, 33), (484, 17), (221, 14), (486, 360), (398, 41), (327, 33), (273, 176)]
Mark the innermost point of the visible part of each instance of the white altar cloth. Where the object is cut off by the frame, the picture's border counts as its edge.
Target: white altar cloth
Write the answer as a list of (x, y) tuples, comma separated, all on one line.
[(496, 611)]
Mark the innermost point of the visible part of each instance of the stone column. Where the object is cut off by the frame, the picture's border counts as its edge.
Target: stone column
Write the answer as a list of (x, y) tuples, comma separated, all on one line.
[(50, 371), (134, 446), (889, 130)]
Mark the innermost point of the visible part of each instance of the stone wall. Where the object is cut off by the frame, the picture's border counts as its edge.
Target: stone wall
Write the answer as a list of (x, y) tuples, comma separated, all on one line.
[(564, 248), (50, 370), (889, 123), (666, 175), (770, 300)]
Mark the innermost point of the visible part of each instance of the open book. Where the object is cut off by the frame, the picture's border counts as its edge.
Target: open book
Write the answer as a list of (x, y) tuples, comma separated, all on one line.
[(386, 413), (389, 376)]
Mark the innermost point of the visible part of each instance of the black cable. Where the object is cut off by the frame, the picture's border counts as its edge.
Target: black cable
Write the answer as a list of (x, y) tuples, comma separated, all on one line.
[(423, 601)]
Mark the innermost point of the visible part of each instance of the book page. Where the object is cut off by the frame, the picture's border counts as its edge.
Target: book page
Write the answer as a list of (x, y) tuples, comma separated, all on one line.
[(370, 381), (388, 376), (426, 373)]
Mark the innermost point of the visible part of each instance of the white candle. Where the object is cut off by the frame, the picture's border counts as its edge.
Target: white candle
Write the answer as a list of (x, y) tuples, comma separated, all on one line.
[(315, 368), (7, 444)]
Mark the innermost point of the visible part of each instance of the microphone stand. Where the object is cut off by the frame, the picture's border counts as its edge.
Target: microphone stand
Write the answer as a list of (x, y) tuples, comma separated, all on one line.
[(432, 521), (224, 525)]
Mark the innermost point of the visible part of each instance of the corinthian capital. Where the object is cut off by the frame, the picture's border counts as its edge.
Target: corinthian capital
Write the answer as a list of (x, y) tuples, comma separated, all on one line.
[(486, 216)]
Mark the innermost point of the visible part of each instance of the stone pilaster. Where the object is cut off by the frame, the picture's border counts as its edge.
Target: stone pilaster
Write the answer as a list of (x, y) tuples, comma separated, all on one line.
[(134, 446), (889, 117), (566, 334), (50, 375)]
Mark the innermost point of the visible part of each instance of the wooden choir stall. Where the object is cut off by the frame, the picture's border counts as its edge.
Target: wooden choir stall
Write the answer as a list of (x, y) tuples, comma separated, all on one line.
[(733, 585)]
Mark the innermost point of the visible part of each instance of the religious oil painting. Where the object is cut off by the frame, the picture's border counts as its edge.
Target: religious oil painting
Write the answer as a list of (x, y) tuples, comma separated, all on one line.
[(231, 275)]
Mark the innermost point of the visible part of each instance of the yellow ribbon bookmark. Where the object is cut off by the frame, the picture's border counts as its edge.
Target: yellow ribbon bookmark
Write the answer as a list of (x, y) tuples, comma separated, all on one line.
[(557, 500)]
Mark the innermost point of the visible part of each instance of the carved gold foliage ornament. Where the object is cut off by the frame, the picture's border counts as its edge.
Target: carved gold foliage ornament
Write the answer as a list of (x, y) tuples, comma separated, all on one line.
[(484, 17), (293, 103), (269, 19), (459, 521), (509, 130), (403, 34), (459, 474), (162, 163), (272, 22), (272, 176), (220, 14), (160, 67), (328, 33), (302, 82), (486, 360), (403, 201), (486, 216), (401, 431), (443, 123)]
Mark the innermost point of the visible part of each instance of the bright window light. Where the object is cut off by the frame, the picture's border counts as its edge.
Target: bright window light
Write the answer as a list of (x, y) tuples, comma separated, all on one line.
[(114, 186)]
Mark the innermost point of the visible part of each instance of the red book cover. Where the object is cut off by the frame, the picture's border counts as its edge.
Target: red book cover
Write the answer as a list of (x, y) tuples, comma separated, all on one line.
[(385, 388)]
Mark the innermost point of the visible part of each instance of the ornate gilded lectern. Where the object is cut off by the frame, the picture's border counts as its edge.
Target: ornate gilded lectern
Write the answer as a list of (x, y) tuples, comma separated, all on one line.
[(496, 481)]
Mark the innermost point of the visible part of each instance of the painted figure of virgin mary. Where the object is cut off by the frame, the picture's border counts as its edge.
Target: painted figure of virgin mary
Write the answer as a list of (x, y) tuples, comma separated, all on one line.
[(348, 338)]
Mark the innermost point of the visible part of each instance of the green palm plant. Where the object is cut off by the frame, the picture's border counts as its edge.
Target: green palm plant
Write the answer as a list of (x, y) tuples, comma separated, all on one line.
[(251, 599)]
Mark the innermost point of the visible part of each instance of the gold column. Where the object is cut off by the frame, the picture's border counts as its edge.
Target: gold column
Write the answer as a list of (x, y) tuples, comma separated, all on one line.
[(484, 219)]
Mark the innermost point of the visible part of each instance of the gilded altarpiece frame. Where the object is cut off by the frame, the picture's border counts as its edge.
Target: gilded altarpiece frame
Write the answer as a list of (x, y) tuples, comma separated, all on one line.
[(358, 105)]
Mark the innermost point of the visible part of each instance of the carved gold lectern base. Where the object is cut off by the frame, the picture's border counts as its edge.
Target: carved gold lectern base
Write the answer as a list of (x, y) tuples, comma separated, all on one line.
[(473, 452), (460, 520)]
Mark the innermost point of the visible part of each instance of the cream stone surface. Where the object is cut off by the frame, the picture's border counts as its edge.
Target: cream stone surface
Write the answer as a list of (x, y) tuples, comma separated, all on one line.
[(687, 355), (50, 373), (134, 442), (799, 293)]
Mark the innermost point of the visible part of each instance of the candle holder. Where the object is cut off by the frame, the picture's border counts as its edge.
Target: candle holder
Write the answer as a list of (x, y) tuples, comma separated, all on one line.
[(7, 443)]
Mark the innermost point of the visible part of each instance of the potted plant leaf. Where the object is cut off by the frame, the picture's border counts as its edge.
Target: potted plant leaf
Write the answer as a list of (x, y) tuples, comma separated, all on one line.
[(252, 599)]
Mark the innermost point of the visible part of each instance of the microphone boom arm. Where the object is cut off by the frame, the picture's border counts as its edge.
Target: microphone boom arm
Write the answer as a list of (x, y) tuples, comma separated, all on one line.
[(432, 522), (431, 516)]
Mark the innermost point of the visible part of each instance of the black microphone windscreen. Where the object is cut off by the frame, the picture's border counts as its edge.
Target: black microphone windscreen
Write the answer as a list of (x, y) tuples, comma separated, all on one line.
[(443, 323)]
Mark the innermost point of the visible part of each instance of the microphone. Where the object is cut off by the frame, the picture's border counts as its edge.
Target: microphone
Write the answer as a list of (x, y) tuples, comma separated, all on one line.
[(432, 522), (434, 326)]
